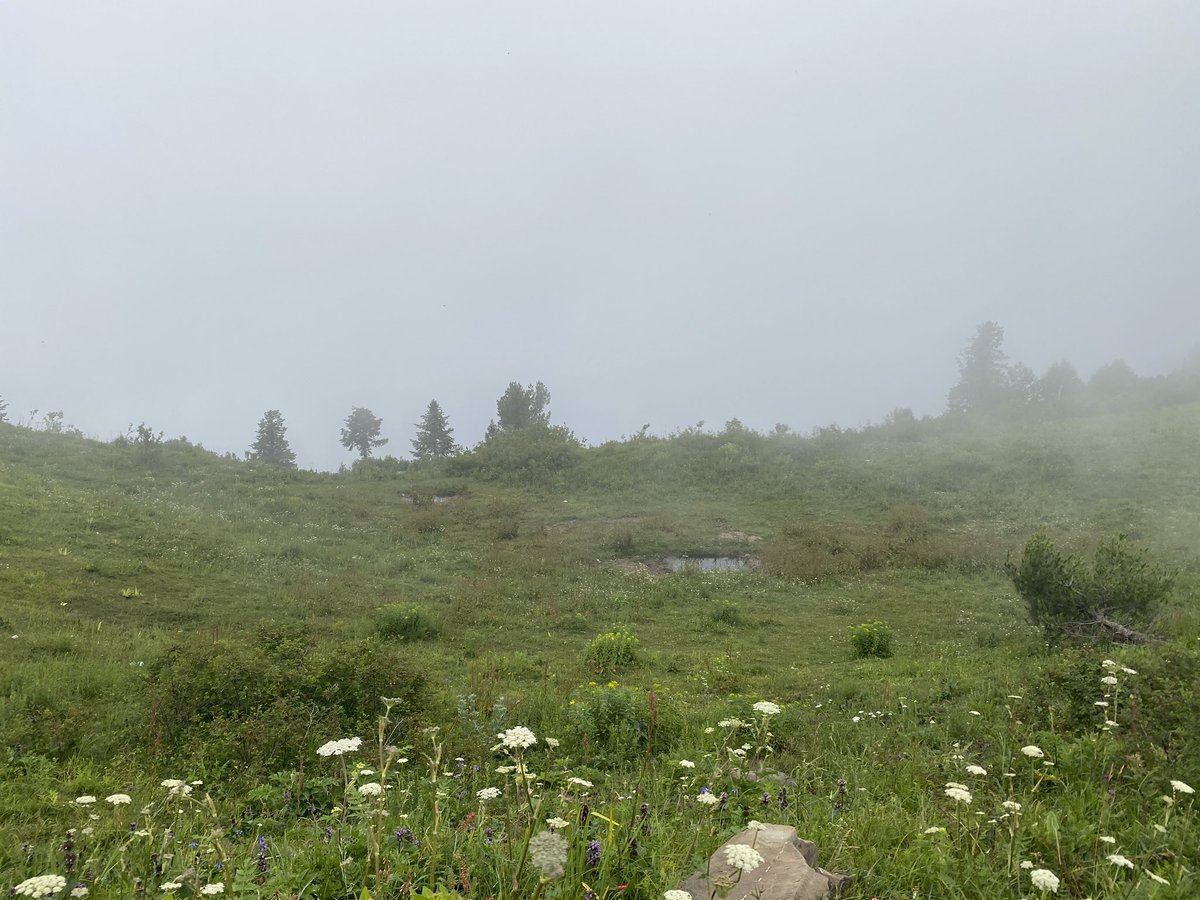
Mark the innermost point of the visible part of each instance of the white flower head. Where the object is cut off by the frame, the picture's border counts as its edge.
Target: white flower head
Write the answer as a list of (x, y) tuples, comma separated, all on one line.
[(677, 895), (167, 886), (1109, 679), (1026, 864), (743, 857), (118, 799), (767, 708), (548, 851), (339, 747), (687, 764), (557, 823), (517, 738), (755, 825), (80, 890), (708, 799), (1181, 787), (213, 888), (1118, 860), (488, 793), (958, 794), (934, 829), (40, 886), (371, 789), (730, 723), (1128, 671), (581, 782), (955, 784), (172, 783), (1157, 878), (1033, 751), (550, 742), (1044, 880), (1011, 805), (976, 770)]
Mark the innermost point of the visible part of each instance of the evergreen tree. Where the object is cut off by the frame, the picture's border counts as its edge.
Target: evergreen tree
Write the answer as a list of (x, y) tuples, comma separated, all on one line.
[(361, 432), (271, 445), (435, 437), (520, 407), (3, 410), (983, 375)]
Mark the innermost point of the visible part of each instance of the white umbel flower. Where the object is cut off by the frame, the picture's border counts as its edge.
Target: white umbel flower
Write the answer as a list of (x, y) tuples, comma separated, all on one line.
[(213, 888), (488, 793), (766, 707), (370, 789), (339, 747), (976, 770), (1118, 860), (677, 895), (1033, 751), (743, 857), (1181, 787), (118, 799), (958, 794), (40, 886), (1044, 880), (517, 738)]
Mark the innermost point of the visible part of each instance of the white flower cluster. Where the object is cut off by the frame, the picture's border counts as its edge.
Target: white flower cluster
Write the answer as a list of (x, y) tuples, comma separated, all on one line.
[(743, 857), (766, 707), (708, 799), (687, 764), (548, 851), (176, 787), (213, 888), (40, 886), (729, 723), (581, 782), (118, 799), (517, 738), (558, 823), (339, 747), (976, 770), (1181, 787), (1044, 880), (958, 792), (371, 789), (1118, 860), (488, 793), (85, 800), (1033, 751), (677, 895)]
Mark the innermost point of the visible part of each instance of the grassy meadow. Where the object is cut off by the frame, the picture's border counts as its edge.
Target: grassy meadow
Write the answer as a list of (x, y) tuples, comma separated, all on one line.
[(181, 634)]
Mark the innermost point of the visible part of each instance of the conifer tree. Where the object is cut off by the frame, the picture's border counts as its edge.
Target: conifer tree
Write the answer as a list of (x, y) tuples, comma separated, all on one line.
[(435, 437), (361, 432), (3, 410), (271, 445), (520, 407)]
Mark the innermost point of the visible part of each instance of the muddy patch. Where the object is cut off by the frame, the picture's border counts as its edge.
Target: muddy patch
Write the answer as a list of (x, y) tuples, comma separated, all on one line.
[(741, 537), (709, 563)]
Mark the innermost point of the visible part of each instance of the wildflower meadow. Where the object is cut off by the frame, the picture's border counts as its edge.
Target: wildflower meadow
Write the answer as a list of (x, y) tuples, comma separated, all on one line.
[(213, 684)]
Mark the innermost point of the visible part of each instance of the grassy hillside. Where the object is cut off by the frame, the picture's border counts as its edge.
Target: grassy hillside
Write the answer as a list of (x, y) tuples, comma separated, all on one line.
[(174, 613)]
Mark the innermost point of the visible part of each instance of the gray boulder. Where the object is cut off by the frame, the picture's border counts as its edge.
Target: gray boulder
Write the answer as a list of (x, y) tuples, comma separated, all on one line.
[(789, 870)]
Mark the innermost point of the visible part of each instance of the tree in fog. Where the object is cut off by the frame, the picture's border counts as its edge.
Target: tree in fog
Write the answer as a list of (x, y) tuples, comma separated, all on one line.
[(520, 407), (982, 372), (3, 410), (435, 437), (271, 445), (361, 432), (1060, 385)]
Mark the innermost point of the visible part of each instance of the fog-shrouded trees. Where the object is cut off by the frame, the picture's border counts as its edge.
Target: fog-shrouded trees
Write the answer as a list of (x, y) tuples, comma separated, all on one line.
[(983, 373), (361, 432), (271, 444), (521, 407), (435, 437), (3, 410)]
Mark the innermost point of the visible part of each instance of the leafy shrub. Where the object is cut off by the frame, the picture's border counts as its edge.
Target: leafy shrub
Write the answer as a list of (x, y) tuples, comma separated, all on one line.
[(726, 612), (265, 704), (1069, 598), (618, 722), (404, 621), (612, 651), (871, 639)]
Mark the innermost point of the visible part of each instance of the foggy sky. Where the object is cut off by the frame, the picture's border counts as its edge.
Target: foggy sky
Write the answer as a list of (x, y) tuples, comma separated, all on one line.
[(668, 212)]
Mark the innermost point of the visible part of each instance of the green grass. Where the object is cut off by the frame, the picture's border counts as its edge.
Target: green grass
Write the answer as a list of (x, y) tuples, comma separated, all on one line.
[(113, 561)]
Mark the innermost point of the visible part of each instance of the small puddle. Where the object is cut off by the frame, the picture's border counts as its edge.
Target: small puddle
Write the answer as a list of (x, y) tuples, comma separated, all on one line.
[(709, 563)]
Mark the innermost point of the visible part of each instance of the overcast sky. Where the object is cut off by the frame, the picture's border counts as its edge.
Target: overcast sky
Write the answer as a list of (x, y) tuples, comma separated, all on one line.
[(667, 211)]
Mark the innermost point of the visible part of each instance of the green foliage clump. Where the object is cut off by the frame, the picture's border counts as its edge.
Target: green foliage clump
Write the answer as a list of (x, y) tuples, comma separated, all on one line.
[(871, 639), (613, 650), (726, 612), (618, 723), (266, 704), (406, 622), (1067, 597)]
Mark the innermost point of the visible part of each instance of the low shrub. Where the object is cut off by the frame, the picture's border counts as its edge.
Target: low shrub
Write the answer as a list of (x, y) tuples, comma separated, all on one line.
[(871, 639), (404, 621), (612, 651)]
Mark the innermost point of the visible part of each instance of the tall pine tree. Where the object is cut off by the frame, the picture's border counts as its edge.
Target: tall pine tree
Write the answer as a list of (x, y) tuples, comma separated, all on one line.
[(435, 437), (271, 445)]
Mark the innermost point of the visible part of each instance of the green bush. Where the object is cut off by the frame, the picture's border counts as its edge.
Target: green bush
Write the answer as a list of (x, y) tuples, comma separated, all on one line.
[(617, 723), (871, 639), (265, 704), (406, 622), (726, 612), (612, 651), (1068, 598)]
